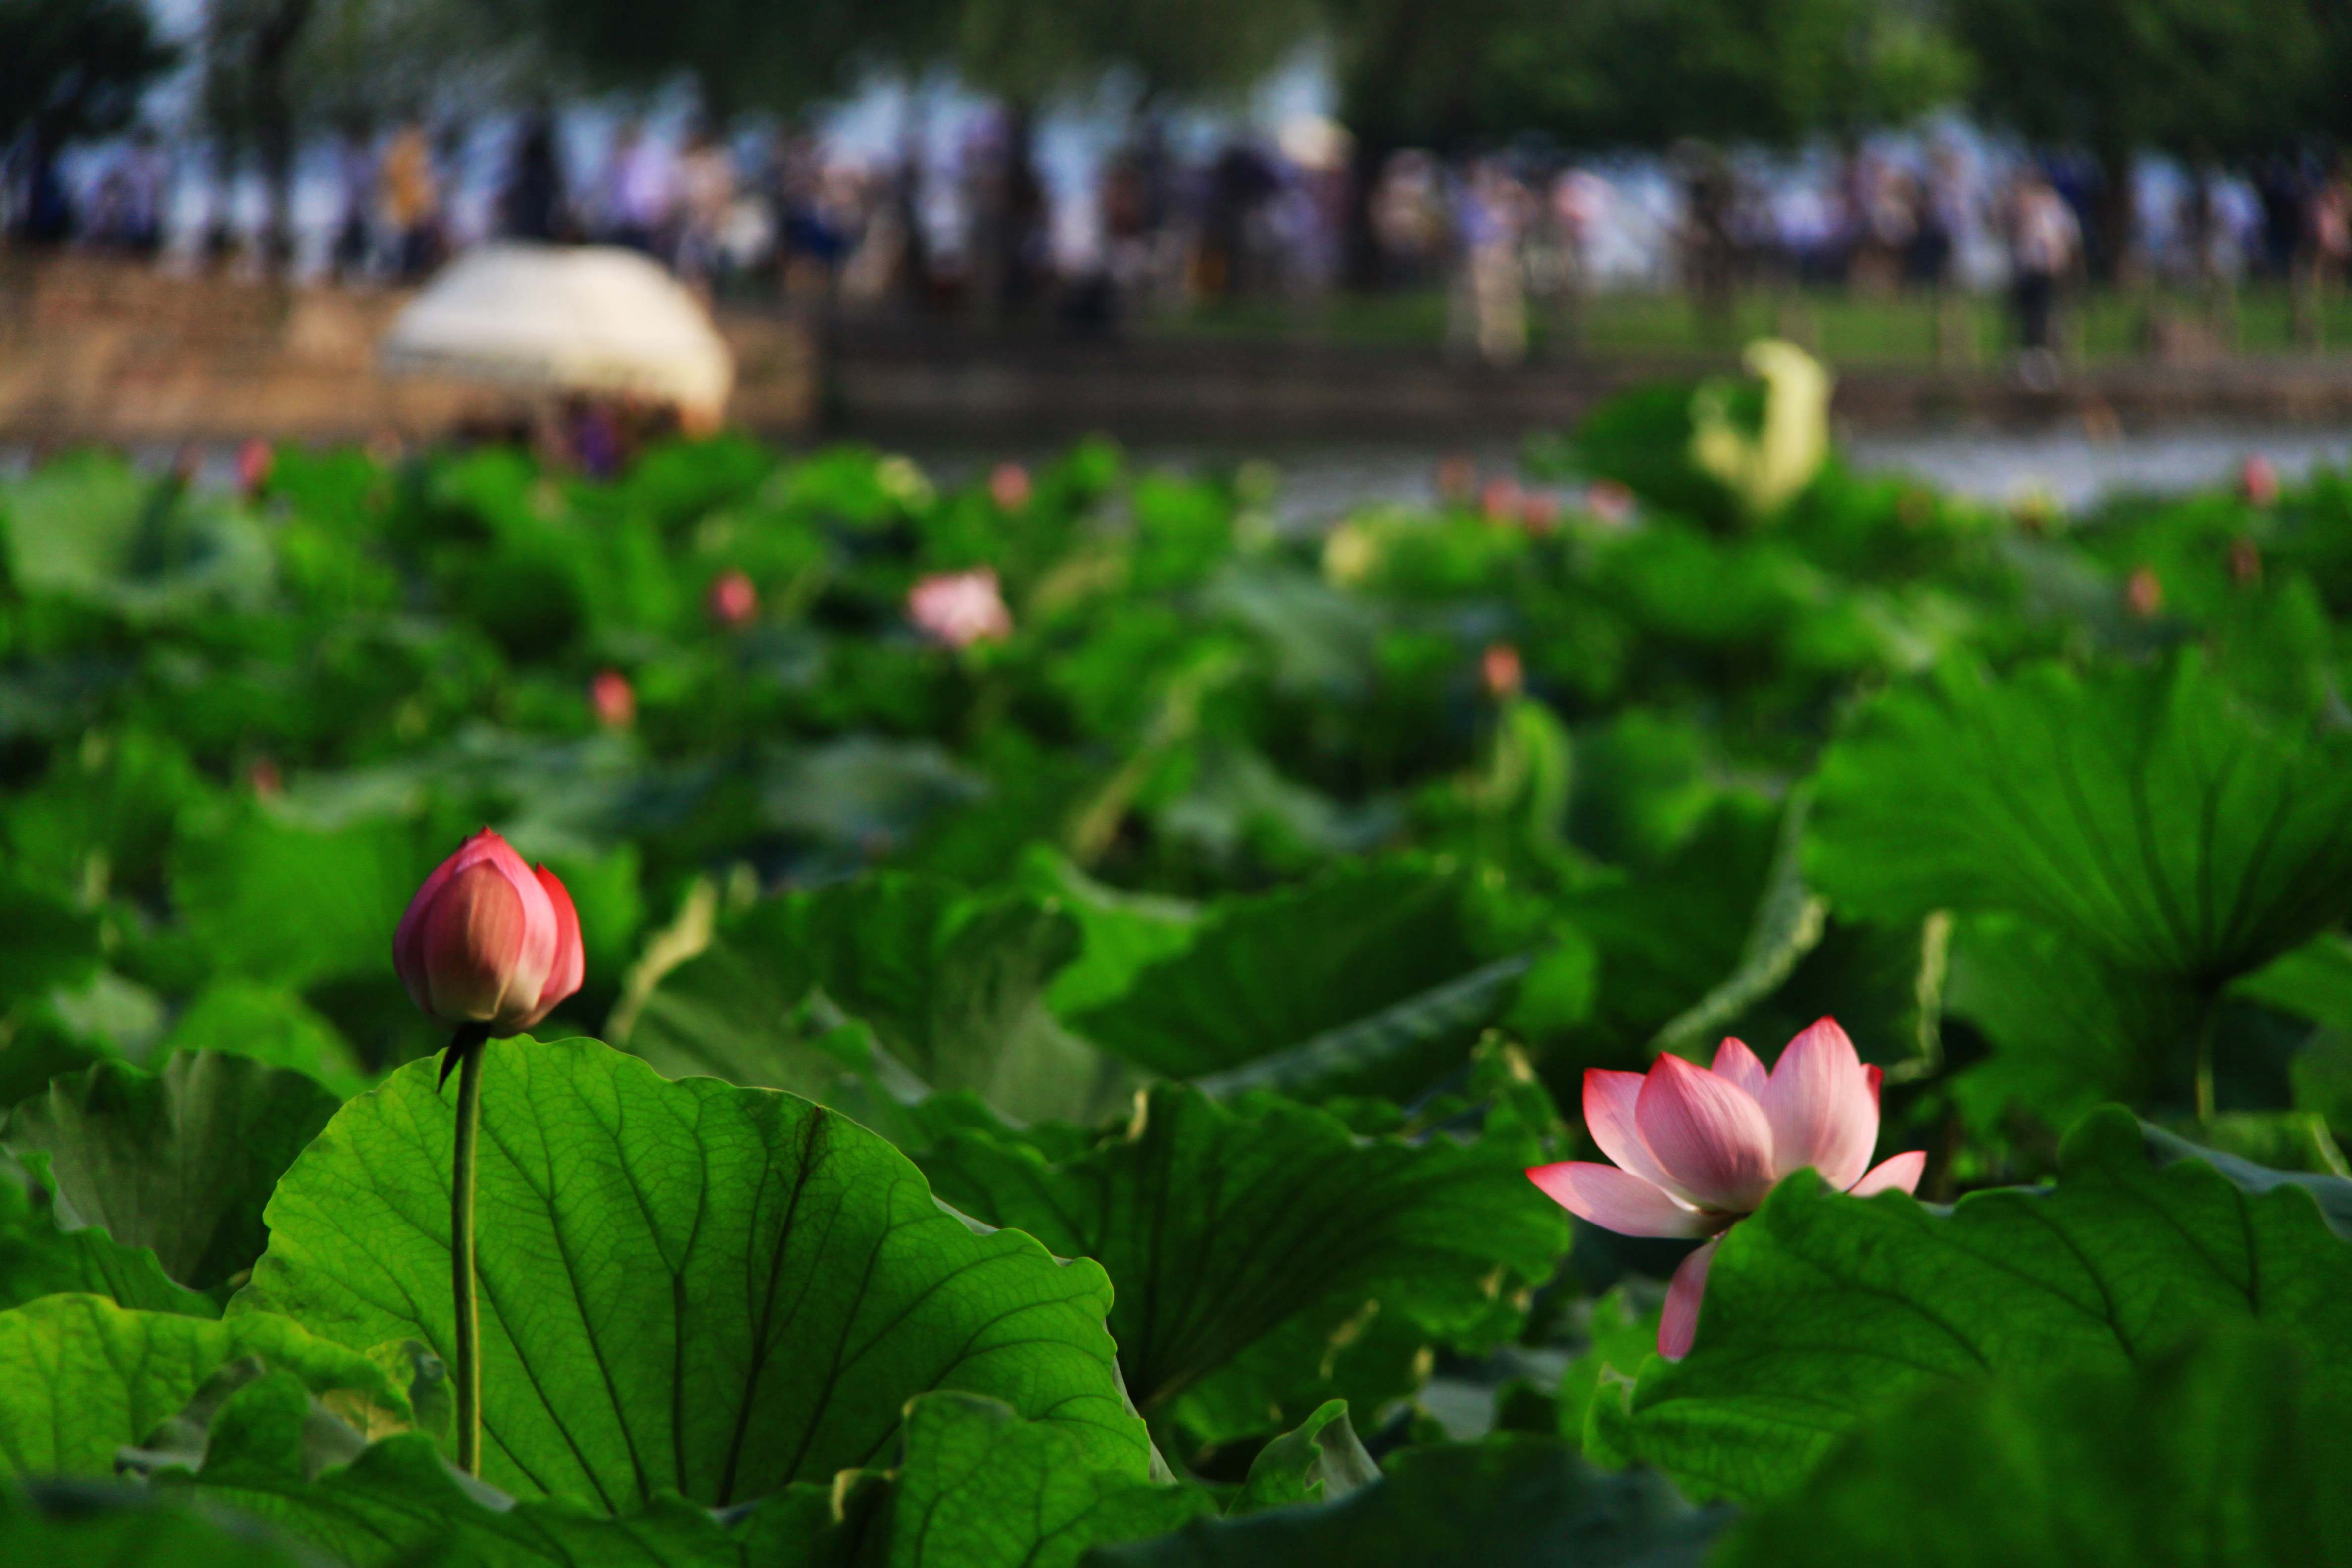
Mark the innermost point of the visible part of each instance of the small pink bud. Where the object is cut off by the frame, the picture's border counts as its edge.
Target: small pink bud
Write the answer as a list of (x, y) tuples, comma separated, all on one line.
[(957, 609), (1609, 501), (1499, 499), (2258, 481), (2245, 562), (488, 939), (732, 600), (1500, 668), (615, 703), (1008, 487), (254, 461), (2143, 593), (1539, 512), (263, 777)]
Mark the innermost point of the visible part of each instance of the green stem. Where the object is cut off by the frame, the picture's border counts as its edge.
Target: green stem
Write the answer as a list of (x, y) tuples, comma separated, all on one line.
[(2206, 1030), (466, 1046)]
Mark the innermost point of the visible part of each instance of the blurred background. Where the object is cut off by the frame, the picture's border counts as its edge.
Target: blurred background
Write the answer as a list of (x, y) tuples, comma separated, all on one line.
[(1363, 229)]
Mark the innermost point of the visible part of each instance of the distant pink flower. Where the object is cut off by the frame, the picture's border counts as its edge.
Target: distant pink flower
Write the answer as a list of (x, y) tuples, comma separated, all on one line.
[(610, 695), (732, 600), (1008, 487), (254, 461), (2143, 593), (1610, 501), (2257, 480), (1499, 499), (1500, 668), (1540, 512), (960, 608), (1697, 1147)]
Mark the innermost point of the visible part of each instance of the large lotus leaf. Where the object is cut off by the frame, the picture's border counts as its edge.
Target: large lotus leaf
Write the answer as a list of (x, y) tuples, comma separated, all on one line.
[(684, 1286), (276, 901), (953, 987), (2222, 1454), (270, 1025), (1273, 970), (88, 527), (81, 1377), (2067, 1030), (398, 1500), (38, 1258), (180, 1161), (1823, 1309), (1229, 1230), (1671, 935), (52, 942), (979, 1488), (123, 1526), (1123, 933), (2149, 814), (1512, 1501)]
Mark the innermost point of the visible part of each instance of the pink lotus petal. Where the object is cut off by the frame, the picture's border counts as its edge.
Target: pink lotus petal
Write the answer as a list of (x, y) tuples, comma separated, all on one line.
[(571, 964), (1610, 1099), (1735, 1061), (1708, 1134), (1876, 1075), (1896, 1172), (1678, 1324), (1818, 1102), (1615, 1200)]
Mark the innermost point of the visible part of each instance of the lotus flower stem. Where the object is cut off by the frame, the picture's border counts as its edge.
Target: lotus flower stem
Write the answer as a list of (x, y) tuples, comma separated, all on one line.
[(2204, 1087), (466, 1052)]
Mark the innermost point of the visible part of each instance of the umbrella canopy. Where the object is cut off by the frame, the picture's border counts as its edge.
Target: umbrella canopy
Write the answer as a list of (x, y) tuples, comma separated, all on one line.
[(594, 318)]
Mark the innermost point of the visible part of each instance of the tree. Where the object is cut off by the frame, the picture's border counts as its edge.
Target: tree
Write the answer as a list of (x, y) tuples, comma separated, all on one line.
[(69, 69), (2197, 77)]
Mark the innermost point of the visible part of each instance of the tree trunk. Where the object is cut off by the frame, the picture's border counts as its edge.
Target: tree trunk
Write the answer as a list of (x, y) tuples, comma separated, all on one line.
[(274, 132)]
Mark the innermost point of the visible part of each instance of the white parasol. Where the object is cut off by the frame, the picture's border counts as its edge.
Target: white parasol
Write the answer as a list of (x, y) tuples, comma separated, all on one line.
[(594, 318)]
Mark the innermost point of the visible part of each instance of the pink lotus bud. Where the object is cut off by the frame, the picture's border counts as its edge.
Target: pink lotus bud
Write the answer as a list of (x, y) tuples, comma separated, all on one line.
[(254, 461), (2257, 480), (1499, 668), (1697, 1147), (2143, 593), (1456, 476), (960, 608), (1499, 499), (2245, 562), (1609, 501), (265, 778), (1008, 487), (732, 600), (488, 939), (1539, 512), (614, 702)]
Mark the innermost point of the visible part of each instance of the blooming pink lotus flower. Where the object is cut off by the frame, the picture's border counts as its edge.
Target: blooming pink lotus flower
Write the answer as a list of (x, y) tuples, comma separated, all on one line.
[(732, 600), (1008, 487), (960, 608), (488, 939), (614, 700), (1697, 1147)]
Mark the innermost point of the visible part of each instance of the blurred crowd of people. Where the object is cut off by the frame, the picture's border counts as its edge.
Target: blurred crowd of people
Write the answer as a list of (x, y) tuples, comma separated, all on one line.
[(966, 222)]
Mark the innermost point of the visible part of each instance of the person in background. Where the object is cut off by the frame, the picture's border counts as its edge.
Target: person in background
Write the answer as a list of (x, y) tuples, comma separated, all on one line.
[(533, 205), (2044, 240), (706, 191), (145, 174), (354, 246), (639, 195), (410, 201)]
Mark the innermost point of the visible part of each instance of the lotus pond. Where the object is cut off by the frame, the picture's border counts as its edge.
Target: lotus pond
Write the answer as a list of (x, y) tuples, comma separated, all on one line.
[(1070, 976)]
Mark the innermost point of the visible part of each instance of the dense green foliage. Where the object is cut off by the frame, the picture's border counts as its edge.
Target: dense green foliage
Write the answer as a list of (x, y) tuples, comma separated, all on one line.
[(1067, 1095)]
